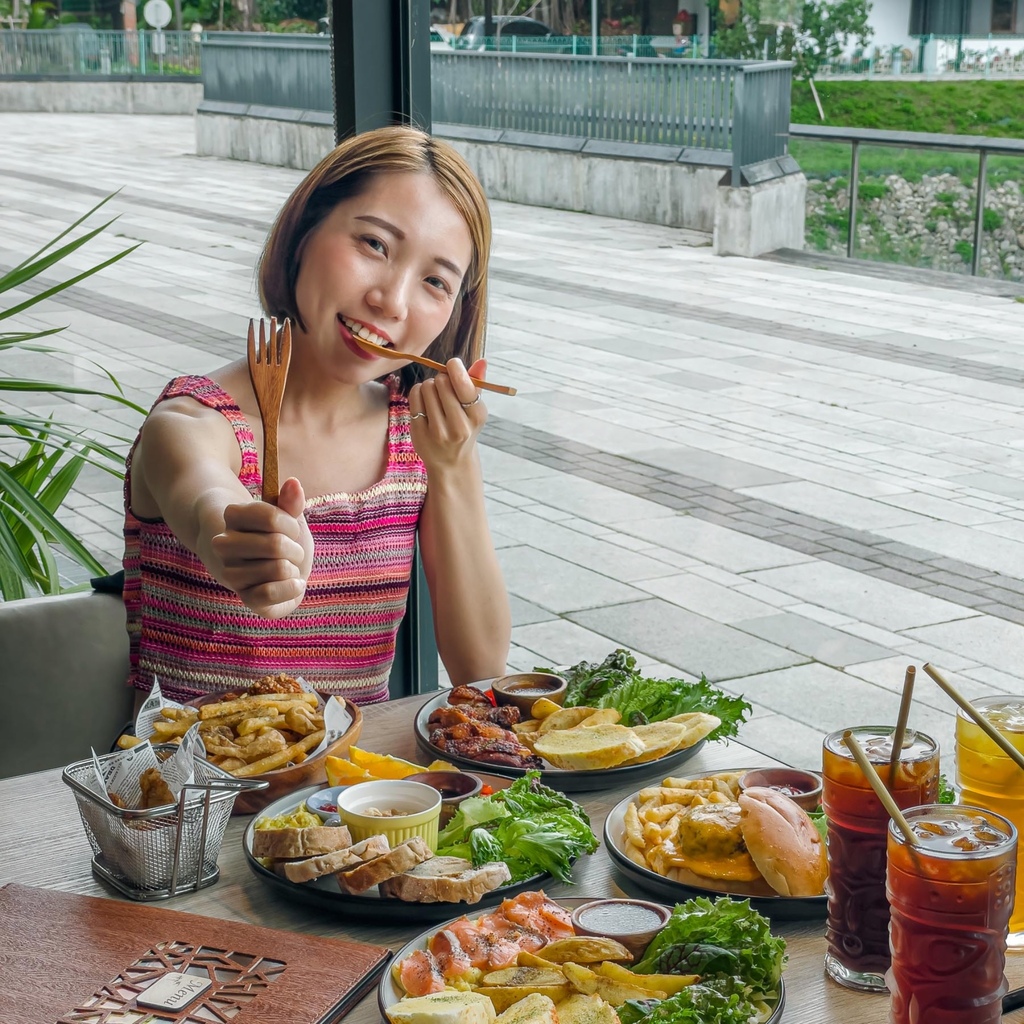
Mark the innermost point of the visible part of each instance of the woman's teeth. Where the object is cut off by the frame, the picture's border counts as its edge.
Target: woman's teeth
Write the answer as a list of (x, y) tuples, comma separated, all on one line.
[(364, 332)]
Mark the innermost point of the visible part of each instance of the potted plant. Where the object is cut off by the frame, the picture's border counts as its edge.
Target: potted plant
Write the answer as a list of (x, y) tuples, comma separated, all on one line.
[(40, 457)]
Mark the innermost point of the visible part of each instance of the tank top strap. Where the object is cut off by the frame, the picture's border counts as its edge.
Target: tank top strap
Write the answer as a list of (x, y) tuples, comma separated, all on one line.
[(209, 393)]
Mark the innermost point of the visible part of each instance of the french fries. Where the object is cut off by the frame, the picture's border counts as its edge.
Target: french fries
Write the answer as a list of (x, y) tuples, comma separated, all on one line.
[(248, 735), (652, 822)]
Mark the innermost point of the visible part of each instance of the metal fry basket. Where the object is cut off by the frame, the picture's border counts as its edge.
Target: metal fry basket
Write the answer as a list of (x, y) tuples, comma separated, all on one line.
[(157, 853)]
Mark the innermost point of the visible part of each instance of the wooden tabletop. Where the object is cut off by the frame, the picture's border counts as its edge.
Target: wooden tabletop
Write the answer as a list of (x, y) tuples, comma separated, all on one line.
[(43, 844)]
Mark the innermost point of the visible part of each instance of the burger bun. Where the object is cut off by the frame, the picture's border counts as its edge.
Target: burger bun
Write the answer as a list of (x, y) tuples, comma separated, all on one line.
[(783, 842)]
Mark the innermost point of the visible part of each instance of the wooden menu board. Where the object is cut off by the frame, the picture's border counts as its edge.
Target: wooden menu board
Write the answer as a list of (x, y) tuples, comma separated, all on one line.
[(68, 958)]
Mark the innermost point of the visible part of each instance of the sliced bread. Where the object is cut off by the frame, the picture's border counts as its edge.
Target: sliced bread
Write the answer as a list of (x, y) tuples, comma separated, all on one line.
[(329, 863), (294, 843), (446, 880), (447, 1007), (372, 872), (601, 746)]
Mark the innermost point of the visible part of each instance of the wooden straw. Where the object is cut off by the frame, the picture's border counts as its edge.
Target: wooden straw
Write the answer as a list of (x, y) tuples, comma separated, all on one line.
[(879, 787), (901, 723), (983, 723)]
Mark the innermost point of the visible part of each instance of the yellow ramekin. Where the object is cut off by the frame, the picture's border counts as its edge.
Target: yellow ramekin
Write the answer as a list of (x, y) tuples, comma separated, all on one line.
[(420, 806)]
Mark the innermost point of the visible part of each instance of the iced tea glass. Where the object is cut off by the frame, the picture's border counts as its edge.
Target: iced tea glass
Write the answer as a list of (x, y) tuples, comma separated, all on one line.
[(950, 900), (858, 912), (987, 778)]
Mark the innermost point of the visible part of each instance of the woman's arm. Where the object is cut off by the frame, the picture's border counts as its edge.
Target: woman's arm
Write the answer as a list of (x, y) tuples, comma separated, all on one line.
[(472, 621), (185, 471)]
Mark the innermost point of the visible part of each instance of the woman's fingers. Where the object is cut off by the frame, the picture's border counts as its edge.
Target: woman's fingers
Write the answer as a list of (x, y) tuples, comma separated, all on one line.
[(274, 600), (239, 547)]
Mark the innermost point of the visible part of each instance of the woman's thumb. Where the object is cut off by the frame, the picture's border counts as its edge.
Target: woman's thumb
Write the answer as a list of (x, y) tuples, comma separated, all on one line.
[(292, 498)]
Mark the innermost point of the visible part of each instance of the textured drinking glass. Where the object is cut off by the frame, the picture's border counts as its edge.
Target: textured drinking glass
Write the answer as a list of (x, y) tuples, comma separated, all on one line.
[(858, 912), (950, 900), (987, 778)]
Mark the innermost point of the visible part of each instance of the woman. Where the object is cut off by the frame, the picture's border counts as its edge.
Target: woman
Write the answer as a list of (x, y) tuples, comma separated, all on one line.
[(388, 237)]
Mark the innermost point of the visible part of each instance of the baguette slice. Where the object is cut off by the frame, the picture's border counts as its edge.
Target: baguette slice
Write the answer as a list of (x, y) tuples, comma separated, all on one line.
[(372, 872), (296, 843), (447, 1007), (330, 863), (446, 880), (601, 746)]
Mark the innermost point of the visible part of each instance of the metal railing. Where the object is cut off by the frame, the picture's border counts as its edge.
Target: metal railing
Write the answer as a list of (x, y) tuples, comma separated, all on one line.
[(737, 106), (990, 56), (583, 46), (858, 137), (30, 53)]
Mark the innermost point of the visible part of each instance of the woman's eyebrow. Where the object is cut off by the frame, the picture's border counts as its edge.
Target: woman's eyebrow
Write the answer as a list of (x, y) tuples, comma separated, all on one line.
[(400, 235)]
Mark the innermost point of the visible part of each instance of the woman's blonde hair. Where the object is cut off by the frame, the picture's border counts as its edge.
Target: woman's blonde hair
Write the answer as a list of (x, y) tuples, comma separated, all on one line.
[(346, 172)]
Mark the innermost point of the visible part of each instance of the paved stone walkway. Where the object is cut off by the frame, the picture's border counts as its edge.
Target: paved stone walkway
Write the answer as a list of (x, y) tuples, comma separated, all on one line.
[(797, 481)]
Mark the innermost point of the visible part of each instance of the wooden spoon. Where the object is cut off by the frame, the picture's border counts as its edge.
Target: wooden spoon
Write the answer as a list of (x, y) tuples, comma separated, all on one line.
[(408, 357)]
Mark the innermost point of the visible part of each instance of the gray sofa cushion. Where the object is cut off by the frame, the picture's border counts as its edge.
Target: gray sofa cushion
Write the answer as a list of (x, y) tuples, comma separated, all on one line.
[(63, 667)]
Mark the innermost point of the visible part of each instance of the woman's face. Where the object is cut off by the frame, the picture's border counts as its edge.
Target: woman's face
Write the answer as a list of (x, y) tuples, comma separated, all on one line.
[(387, 264)]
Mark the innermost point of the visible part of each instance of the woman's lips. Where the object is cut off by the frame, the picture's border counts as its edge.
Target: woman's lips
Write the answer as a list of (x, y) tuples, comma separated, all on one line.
[(346, 336)]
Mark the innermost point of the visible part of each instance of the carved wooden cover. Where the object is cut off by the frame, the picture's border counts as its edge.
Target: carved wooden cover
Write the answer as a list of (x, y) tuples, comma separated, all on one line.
[(83, 960), (236, 979)]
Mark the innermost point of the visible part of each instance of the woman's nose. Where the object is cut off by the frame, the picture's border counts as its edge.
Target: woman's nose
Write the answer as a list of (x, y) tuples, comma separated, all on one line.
[(390, 297)]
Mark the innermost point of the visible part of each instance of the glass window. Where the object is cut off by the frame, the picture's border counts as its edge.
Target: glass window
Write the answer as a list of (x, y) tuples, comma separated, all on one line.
[(1002, 15)]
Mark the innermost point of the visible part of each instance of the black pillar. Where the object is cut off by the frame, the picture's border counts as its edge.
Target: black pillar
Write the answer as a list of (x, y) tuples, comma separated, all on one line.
[(380, 62), (380, 57)]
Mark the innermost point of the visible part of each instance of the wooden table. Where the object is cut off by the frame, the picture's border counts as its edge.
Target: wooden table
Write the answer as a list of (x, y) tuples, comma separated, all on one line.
[(43, 844)]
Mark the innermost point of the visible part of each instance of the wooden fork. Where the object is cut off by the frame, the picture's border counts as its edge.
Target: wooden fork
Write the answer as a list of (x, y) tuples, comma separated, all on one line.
[(406, 357), (268, 371)]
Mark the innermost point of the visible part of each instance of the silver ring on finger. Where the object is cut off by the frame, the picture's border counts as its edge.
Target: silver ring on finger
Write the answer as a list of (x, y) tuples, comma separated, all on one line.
[(466, 405), (418, 415)]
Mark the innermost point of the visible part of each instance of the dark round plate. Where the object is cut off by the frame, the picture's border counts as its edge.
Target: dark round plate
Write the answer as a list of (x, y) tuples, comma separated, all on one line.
[(557, 778), (388, 992), (325, 893), (760, 894)]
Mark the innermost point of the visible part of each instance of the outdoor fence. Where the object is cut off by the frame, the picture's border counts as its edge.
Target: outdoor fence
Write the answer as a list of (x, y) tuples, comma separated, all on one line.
[(934, 56), (740, 107), (949, 202), (29, 53)]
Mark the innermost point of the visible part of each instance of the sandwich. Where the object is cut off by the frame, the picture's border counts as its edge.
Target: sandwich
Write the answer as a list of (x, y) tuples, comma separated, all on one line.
[(783, 842), (402, 858), (298, 843), (446, 880), (331, 863)]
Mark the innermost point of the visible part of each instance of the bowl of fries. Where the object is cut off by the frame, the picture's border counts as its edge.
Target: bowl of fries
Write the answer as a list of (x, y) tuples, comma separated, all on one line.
[(275, 737)]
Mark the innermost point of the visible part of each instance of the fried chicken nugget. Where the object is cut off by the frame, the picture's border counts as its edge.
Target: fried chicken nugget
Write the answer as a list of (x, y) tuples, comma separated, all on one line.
[(155, 792)]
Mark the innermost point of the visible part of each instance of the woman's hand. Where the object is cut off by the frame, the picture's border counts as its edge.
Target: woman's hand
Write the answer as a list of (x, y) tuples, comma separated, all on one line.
[(265, 553), (447, 415)]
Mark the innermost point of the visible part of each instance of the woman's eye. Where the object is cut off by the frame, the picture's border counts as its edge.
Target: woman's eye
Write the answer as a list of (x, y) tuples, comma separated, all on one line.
[(439, 283), (376, 244)]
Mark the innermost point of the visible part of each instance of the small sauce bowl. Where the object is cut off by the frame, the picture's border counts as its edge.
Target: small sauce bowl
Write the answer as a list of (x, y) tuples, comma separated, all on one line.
[(634, 923), (802, 787), (324, 801), (454, 787), (524, 689)]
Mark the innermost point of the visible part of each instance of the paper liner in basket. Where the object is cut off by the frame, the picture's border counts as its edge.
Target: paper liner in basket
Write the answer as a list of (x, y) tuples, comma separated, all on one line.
[(337, 717), (119, 773)]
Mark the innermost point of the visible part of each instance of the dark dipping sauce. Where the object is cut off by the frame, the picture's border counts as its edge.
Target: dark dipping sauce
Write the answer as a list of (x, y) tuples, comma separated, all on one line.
[(620, 919)]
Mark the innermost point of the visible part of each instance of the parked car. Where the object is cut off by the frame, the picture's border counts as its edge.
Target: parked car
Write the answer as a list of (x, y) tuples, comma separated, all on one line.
[(529, 34), (441, 39)]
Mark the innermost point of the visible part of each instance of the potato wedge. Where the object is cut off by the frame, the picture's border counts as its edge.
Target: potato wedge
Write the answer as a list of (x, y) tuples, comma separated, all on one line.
[(581, 978), (525, 959), (542, 707), (585, 949), (581, 1009), (524, 977), (504, 996), (670, 983), (534, 1009)]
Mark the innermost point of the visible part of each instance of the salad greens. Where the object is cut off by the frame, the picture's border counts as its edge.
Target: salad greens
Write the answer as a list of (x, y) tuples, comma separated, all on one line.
[(947, 795), (529, 826), (616, 683), (731, 947)]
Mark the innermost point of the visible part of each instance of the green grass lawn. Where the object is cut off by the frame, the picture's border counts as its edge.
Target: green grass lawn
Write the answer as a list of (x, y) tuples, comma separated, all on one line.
[(990, 108)]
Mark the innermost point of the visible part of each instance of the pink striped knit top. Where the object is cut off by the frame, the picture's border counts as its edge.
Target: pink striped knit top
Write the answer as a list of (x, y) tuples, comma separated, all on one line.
[(197, 637)]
